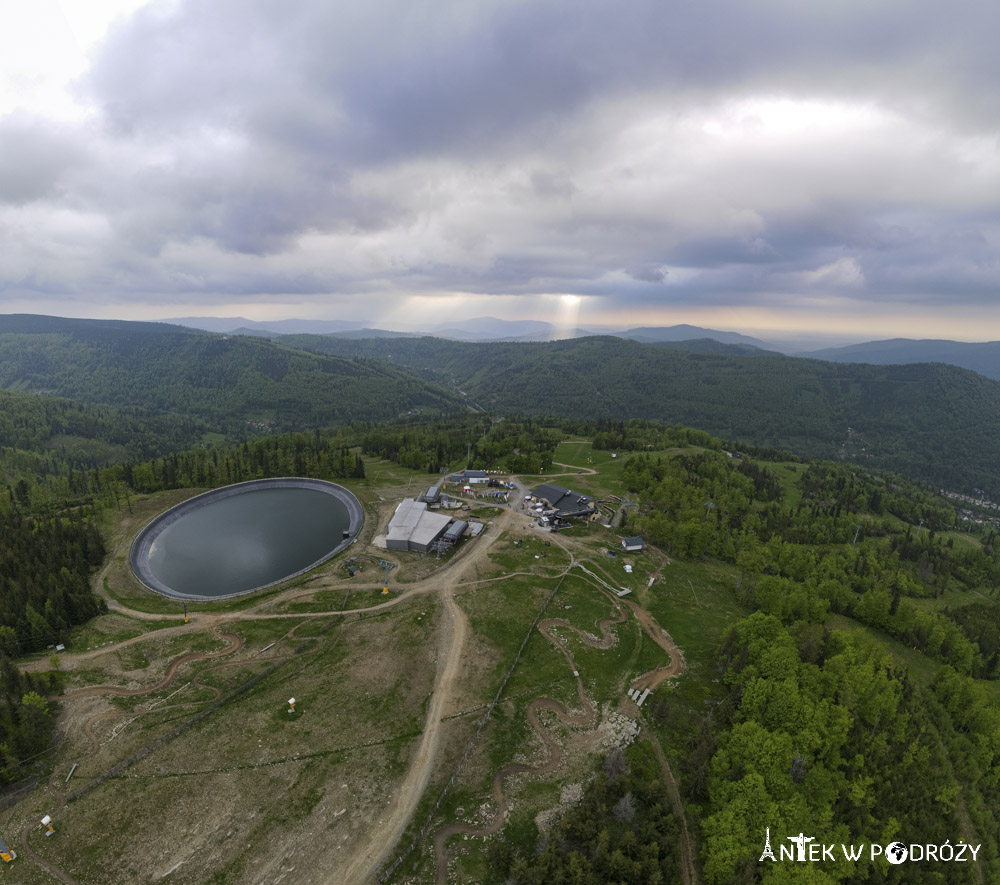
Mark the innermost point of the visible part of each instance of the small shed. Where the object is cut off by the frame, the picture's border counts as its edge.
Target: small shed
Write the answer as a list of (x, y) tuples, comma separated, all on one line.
[(633, 545), (455, 531), (469, 477)]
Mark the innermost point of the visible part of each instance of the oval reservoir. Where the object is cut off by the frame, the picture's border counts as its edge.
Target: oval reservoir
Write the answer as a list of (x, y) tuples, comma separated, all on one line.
[(244, 537)]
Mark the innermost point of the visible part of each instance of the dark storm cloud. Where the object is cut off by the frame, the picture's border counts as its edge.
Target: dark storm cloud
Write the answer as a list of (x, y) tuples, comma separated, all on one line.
[(392, 79)]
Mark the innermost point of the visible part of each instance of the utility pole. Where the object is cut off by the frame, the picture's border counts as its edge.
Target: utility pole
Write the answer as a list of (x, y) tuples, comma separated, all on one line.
[(856, 535)]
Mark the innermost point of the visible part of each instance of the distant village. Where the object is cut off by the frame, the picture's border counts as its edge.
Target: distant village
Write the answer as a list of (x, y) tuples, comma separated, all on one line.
[(980, 501)]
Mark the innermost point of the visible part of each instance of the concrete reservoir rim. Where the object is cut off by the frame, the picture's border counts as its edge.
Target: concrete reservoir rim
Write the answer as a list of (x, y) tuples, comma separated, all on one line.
[(139, 553)]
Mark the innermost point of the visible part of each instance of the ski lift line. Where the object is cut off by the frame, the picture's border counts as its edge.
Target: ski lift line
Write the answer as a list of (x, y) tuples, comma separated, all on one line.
[(599, 580)]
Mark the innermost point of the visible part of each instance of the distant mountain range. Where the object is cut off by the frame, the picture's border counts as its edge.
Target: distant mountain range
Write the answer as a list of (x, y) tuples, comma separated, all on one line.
[(475, 329), (228, 383), (684, 332), (270, 329), (981, 357)]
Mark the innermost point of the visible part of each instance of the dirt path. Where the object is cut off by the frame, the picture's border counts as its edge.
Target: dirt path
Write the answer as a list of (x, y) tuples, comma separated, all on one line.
[(587, 471), (69, 660), (235, 644), (370, 856), (663, 639), (689, 869), (49, 868)]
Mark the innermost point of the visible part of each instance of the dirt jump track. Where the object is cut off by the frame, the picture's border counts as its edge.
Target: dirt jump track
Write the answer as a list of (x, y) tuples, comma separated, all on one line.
[(58, 795), (584, 718)]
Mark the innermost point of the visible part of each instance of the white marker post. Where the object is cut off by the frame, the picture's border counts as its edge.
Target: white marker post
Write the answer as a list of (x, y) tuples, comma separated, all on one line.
[(291, 705)]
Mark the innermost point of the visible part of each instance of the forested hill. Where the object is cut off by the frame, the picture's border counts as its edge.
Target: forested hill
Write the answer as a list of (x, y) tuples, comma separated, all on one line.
[(980, 356), (931, 421), (46, 427), (227, 382)]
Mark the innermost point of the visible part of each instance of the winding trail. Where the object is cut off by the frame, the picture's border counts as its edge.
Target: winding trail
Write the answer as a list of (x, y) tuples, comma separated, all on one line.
[(235, 644), (662, 638), (585, 718), (368, 857), (55, 790)]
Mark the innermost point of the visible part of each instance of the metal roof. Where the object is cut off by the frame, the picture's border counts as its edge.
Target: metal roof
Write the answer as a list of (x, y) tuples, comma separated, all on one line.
[(456, 530), (565, 501)]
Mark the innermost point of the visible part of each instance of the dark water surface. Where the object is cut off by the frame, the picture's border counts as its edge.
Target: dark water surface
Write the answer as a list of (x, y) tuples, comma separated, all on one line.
[(237, 543)]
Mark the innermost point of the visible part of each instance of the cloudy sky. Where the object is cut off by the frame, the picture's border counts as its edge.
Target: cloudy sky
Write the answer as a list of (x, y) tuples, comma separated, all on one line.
[(757, 165)]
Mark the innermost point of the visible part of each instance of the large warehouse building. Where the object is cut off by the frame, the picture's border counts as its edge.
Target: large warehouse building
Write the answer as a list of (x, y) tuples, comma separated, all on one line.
[(414, 527)]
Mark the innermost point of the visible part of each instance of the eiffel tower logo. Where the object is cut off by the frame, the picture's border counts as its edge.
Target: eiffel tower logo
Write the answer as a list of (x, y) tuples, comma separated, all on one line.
[(767, 848)]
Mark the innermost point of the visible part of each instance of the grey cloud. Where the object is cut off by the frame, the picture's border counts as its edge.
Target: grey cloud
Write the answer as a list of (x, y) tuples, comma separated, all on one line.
[(392, 79), (36, 157), (717, 251), (552, 185), (243, 125), (648, 274)]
